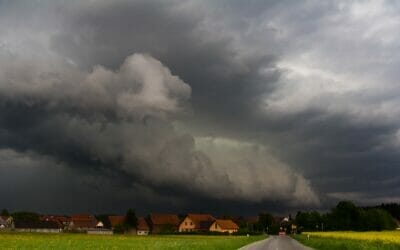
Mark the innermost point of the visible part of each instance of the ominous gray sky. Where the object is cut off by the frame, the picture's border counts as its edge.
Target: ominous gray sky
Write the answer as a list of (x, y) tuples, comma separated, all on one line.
[(214, 106)]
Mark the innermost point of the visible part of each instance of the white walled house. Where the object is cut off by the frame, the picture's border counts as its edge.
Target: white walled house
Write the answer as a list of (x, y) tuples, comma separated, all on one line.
[(142, 227), (224, 226)]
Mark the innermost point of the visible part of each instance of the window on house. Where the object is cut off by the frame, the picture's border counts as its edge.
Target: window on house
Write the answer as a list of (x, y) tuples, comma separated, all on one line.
[(191, 223), (216, 225), (185, 223)]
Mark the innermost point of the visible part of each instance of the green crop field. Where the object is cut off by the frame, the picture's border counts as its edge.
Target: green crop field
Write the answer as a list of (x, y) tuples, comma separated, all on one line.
[(83, 241), (386, 240)]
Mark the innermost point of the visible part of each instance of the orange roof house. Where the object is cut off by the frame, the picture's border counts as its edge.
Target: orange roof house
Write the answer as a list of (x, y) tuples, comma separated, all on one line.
[(224, 226), (196, 222), (142, 227), (116, 220), (83, 221), (163, 222)]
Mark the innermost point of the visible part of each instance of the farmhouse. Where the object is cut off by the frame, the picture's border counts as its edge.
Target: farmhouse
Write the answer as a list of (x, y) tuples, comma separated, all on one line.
[(224, 226), (83, 222), (62, 221), (142, 227), (196, 223), (116, 220), (160, 223), (88, 223)]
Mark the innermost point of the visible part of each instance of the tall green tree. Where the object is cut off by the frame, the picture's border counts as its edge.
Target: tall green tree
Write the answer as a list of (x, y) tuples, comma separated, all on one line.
[(4, 212), (347, 216), (25, 216), (131, 219), (309, 221), (264, 221)]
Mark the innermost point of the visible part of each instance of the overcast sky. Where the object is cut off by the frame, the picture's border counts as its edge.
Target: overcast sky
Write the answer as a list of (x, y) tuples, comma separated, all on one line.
[(200, 106)]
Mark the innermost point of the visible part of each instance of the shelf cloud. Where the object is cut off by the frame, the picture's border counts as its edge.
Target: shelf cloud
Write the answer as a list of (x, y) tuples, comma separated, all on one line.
[(214, 106)]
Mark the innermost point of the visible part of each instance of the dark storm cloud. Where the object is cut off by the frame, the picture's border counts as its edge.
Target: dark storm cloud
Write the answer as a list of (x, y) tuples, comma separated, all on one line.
[(263, 104), (105, 33), (118, 123)]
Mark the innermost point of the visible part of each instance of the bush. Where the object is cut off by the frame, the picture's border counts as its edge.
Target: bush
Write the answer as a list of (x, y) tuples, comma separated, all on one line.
[(121, 228)]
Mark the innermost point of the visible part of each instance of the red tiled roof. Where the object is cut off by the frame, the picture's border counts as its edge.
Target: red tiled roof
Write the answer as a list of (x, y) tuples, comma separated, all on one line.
[(57, 218), (142, 224), (116, 220), (200, 220), (63, 219), (164, 219), (200, 217), (84, 221), (51, 219), (227, 224)]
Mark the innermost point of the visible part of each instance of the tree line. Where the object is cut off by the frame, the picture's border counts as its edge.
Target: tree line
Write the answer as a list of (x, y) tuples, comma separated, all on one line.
[(392, 208), (346, 216)]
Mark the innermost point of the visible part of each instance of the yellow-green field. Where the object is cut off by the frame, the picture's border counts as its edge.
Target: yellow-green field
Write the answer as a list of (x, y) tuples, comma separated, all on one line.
[(387, 240), (83, 241), (386, 236)]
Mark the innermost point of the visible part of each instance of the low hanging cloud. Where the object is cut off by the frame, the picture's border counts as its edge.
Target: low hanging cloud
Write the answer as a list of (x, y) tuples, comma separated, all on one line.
[(256, 173), (52, 182)]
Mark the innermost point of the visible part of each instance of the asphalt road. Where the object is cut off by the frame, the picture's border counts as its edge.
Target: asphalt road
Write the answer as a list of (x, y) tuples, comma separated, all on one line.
[(276, 243)]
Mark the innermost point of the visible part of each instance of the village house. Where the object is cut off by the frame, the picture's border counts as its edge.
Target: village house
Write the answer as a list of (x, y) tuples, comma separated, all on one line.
[(224, 226), (116, 220), (88, 223), (196, 223), (82, 222), (6, 222), (142, 227), (287, 225), (163, 223), (62, 221)]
